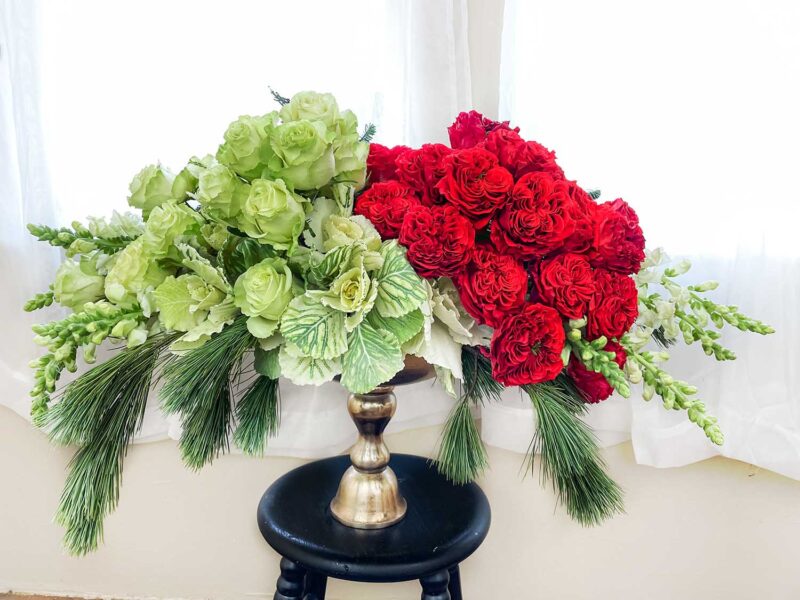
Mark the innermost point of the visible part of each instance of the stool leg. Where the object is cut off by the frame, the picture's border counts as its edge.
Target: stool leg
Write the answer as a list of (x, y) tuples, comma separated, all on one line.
[(454, 587), (434, 587), (290, 583), (315, 586)]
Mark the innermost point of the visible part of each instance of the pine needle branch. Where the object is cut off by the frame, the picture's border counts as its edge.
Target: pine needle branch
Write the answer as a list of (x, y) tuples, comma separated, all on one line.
[(570, 457), (278, 98), (462, 455), (369, 132), (198, 387), (258, 413), (479, 385), (102, 410)]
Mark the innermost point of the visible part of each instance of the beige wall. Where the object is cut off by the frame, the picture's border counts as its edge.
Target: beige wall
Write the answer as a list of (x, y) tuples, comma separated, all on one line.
[(714, 530)]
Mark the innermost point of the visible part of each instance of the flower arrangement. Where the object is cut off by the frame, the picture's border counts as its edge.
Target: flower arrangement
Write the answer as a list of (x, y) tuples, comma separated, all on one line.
[(302, 251)]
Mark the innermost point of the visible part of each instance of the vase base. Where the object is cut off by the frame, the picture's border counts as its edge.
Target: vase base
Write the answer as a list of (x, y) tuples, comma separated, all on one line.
[(368, 500)]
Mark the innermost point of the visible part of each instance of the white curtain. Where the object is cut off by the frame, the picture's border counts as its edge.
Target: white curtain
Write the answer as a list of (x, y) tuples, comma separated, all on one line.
[(160, 81), (689, 112)]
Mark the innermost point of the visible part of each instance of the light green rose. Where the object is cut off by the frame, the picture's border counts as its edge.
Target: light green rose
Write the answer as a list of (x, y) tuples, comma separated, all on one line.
[(185, 182), (149, 188), (166, 223), (312, 106), (349, 152), (221, 193), (133, 273), (273, 214), (183, 303), (262, 293), (246, 148), (76, 284), (303, 155)]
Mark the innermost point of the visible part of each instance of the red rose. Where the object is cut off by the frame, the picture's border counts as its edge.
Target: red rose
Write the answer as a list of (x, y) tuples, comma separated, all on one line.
[(470, 128), (422, 169), (438, 238), (385, 205), (584, 212), (566, 283), (594, 387), (475, 184), (521, 157), (537, 220), (526, 346), (614, 306), (618, 242), (492, 285), (381, 162)]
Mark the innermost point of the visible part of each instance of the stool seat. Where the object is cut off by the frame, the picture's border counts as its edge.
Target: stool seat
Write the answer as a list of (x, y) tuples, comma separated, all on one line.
[(445, 523)]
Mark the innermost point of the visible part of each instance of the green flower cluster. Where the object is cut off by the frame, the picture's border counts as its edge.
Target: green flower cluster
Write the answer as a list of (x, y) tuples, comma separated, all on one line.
[(259, 229)]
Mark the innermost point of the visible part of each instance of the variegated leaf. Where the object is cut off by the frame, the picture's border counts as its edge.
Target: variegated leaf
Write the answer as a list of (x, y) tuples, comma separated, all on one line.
[(400, 289), (372, 358)]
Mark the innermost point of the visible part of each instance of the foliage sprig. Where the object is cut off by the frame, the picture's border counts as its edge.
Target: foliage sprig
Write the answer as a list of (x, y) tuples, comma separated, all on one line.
[(78, 239)]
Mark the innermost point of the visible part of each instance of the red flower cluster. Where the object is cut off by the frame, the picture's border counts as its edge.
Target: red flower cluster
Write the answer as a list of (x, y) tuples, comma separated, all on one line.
[(527, 248)]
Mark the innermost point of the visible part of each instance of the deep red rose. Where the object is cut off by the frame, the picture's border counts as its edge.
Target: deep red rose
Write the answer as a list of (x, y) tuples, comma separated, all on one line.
[(584, 211), (470, 128), (438, 238), (537, 220), (566, 283), (385, 205), (594, 387), (526, 346), (614, 306), (422, 169), (475, 184), (618, 242), (381, 162), (492, 285), (519, 156)]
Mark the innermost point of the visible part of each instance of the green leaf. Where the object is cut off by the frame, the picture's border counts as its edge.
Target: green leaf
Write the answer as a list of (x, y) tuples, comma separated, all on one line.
[(400, 289), (403, 328), (317, 330), (266, 363), (372, 358), (304, 370), (203, 267), (261, 328), (323, 273)]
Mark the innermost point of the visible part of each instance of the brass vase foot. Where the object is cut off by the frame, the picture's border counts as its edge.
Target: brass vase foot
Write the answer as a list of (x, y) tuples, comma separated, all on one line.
[(369, 496)]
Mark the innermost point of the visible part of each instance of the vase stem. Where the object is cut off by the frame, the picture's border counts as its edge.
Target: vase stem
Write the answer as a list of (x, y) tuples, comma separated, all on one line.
[(368, 495)]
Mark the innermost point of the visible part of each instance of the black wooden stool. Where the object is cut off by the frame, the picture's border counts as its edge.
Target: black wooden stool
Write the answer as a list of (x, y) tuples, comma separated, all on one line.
[(445, 523)]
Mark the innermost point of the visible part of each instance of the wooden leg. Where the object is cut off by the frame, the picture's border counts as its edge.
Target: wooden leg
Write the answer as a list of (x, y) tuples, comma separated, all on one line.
[(434, 587), (290, 583), (454, 587), (315, 586)]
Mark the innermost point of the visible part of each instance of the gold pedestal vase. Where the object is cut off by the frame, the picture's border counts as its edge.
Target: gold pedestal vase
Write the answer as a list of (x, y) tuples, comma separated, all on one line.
[(369, 496)]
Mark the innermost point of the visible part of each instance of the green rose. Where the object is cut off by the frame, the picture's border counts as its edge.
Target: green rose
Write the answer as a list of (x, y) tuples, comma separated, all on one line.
[(273, 214), (185, 182), (246, 148), (349, 152), (76, 284), (262, 293), (221, 193), (183, 303), (303, 155), (312, 106), (150, 187), (166, 223), (132, 274)]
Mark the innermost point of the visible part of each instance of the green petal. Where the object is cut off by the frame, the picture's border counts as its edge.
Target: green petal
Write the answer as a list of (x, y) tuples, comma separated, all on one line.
[(372, 358)]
